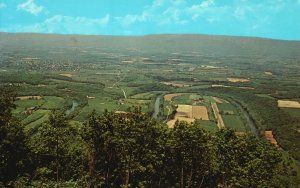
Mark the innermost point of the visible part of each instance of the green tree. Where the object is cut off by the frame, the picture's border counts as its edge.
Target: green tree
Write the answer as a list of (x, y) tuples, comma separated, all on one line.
[(191, 156), (52, 149), (245, 161), (123, 151), (13, 150)]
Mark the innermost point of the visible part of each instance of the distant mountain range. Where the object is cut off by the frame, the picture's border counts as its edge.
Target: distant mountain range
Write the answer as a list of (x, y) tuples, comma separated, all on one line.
[(150, 44)]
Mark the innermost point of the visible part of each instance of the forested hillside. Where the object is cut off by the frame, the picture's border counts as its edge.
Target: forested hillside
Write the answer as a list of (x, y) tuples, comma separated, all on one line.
[(132, 150)]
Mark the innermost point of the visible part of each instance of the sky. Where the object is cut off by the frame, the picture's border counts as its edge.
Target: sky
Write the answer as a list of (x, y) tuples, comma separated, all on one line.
[(278, 19)]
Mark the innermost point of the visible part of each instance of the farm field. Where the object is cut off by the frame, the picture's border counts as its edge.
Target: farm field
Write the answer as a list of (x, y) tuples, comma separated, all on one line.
[(294, 112), (174, 84), (36, 119), (35, 110), (234, 122), (218, 116), (288, 104), (218, 100), (208, 125), (234, 80), (189, 114), (169, 97), (28, 97), (146, 96), (53, 102)]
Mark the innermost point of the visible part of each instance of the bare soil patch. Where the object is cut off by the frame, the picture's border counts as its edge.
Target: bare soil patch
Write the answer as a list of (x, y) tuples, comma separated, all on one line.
[(184, 111), (169, 97), (128, 61), (30, 58), (269, 73), (200, 112), (269, 136), (171, 123), (175, 84), (249, 88), (217, 100), (234, 80), (288, 104), (89, 97), (216, 85), (120, 112), (66, 75), (211, 67), (29, 97), (218, 116), (189, 113)]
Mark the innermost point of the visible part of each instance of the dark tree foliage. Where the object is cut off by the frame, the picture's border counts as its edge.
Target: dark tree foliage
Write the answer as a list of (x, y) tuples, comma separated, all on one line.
[(125, 149), (53, 153), (245, 161), (132, 150), (12, 140)]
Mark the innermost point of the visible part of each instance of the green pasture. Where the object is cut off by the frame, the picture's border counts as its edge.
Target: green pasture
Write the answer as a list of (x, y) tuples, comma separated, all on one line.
[(36, 119), (294, 112), (227, 107), (234, 122), (53, 102), (208, 125)]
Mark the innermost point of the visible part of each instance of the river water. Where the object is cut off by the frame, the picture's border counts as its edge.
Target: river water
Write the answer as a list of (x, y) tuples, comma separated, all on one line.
[(74, 105), (156, 108), (249, 119)]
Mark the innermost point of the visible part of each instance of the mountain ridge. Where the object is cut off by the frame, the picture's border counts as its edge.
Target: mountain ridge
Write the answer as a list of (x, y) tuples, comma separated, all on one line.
[(164, 44)]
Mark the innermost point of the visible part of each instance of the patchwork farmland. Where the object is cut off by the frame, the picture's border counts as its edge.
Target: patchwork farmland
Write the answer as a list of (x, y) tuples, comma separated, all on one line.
[(192, 107)]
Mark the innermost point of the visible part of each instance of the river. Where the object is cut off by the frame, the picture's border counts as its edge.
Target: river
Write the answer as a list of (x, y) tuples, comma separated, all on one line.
[(248, 118), (74, 105), (156, 108)]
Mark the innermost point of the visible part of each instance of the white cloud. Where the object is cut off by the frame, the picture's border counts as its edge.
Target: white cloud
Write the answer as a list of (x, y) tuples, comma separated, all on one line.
[(132, 18), (177, 2), (241, 12), (159, 12), (157, 3), (64, 24), (196, 10), (60, 23), (207, 3), (31, 7), (172, 15), (299, 2), (2, 5)]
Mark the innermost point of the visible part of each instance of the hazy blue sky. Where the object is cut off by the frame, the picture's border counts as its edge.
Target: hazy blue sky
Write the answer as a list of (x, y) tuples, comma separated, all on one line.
[(278, 19)]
